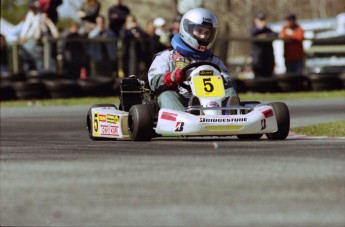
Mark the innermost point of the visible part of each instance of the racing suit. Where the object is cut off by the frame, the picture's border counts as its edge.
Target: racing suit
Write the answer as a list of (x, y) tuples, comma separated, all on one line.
[(177, 97)]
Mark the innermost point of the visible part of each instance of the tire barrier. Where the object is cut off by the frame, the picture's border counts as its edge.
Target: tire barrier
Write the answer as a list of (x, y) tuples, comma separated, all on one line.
[(326, 81), (63, 88), (12, 77), (342, 78), (45, 84), (240, 85), (262, 85), (96, 86), (7, 92), (293, 83), (28, 90)]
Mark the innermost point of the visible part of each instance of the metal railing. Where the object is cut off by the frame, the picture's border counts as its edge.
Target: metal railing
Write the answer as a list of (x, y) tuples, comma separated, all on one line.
[(222, 48)]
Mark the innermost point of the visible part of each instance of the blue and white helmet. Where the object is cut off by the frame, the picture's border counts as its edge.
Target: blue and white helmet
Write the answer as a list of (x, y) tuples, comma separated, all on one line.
[(198, 18)]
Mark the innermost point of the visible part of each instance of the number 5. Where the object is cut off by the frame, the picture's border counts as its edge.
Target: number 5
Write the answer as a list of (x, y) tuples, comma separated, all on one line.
[(208, 86)]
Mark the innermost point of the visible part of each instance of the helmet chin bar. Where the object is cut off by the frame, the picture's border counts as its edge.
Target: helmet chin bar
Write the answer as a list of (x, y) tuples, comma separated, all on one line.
[(202, 43)]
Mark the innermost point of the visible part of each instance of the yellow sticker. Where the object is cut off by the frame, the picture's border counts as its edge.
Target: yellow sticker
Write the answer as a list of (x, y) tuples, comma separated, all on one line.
[(112, 119), (95, 124), (208, 86)]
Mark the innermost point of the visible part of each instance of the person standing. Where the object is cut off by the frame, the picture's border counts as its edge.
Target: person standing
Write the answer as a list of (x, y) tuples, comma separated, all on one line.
[(293, 36), (74, 51), (133, 39), (4, 54), (103, 52), (262, 50), (117, 16), (88, 13)]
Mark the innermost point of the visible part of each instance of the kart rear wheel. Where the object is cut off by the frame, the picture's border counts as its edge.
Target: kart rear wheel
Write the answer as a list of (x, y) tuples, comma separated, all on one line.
[(249, 137), (282, 114), (140, 122)]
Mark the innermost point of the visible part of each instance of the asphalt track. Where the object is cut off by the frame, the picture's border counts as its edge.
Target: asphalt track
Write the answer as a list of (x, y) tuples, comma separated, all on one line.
[(52, 174)]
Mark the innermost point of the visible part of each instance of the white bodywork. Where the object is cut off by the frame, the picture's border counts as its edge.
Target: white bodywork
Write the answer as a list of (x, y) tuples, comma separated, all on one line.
[(259, 121), (207, 85), (108, 122)]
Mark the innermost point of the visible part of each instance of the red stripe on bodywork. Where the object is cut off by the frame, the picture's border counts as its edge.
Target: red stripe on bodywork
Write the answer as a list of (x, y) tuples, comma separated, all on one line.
[(267, 113), (169, 116)]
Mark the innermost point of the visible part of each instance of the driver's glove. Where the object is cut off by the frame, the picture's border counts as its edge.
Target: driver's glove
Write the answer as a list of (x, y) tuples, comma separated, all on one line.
[(174, 77)]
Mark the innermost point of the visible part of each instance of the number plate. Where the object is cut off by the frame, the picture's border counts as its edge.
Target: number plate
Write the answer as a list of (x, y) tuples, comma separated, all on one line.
[(208, 86)]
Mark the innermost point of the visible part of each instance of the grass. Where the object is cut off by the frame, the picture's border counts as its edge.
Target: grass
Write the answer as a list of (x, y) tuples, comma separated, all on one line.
[(243, 97), (336, 128), (292, 95)]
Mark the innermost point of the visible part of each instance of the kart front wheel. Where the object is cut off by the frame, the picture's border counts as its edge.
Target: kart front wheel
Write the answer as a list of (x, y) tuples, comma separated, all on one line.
[(140, 122), (90, 124), (282, 114)]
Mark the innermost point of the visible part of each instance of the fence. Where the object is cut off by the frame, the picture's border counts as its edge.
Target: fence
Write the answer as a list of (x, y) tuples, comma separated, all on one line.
[(95, 79)]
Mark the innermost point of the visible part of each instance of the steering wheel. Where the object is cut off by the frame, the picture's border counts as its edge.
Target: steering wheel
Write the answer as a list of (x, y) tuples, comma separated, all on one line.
[(196, 64)]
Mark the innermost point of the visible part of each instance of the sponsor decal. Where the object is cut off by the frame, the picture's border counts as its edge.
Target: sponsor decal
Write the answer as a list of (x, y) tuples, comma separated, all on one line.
[(268, 113), (180, 64), (103, 117), (168, 116), (113, 119), (180, 61), (220, 120), (209, 20), (263, 124), (95, 124), (212, 104), (206, 72), (179, 126), (107, 130)]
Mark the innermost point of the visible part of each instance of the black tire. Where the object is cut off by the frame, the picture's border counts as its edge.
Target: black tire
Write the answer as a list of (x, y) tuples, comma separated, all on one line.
[(89, 122), (325, 82), (282, 114), (240, 86), (293, 83), (140, 122), (12, 77), (63, 88), (97, 86), (250, 137), (262, 84), (7, 92), (30, 90)]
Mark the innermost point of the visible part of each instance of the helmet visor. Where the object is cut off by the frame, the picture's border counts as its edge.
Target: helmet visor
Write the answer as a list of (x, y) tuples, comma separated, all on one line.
[(204, 33)]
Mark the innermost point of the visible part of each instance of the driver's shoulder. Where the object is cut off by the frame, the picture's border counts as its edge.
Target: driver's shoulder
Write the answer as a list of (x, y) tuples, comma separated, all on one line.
[(163, 54)]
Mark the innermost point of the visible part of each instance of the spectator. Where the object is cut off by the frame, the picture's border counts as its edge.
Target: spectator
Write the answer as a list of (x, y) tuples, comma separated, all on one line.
[(88, 14), (103, 52), (293, 36), (153, 45), (46, 29), (117, 16), (162, 31), (50, 8), (175, 27), (4, 54), (133, 37), (74, 51), (262, 51), (31, 22)]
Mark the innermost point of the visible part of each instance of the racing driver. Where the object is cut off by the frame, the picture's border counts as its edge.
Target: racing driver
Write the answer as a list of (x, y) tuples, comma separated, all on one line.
[(197, 33)]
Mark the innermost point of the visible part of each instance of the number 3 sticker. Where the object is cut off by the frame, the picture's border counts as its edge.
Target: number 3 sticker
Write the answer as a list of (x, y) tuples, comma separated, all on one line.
[(208, 86)]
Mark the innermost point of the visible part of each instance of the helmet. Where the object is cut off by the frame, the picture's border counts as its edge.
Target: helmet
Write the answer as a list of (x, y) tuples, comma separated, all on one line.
[(198, 29)]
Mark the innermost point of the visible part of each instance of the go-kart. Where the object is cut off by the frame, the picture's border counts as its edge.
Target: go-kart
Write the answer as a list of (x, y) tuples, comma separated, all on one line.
[(139, 117)]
